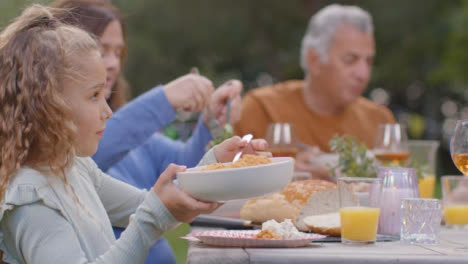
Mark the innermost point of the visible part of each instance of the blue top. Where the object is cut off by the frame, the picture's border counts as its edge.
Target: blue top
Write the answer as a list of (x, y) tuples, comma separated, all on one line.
[(132, 150)]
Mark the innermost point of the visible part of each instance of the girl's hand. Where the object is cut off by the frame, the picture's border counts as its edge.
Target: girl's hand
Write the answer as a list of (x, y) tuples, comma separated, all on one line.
[(182, 206), (226, 151)]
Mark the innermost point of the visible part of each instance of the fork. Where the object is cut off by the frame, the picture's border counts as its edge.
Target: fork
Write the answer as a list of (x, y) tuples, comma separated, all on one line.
[(247, 138)]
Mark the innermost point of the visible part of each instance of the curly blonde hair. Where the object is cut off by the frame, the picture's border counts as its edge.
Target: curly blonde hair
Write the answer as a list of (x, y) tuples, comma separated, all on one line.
[(37, 53)]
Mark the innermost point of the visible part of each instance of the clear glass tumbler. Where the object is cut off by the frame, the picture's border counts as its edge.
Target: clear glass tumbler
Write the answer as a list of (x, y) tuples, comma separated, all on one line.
[(359, 209), (420, 221), (423, 156), (455, 199)]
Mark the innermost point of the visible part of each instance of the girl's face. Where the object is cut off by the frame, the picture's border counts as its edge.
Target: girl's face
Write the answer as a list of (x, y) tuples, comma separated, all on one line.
[(85, 95), (112, 42)]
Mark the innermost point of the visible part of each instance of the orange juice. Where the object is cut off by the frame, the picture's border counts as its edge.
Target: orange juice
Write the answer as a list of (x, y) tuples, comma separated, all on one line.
[(426, 186), (456, 214), (359, 223)]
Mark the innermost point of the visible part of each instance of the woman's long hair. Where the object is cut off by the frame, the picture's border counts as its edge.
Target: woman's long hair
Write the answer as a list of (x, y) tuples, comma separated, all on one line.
[(94, 16), (37, 53)]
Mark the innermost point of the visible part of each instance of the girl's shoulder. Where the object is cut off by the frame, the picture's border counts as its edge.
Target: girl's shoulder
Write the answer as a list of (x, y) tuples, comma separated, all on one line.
[(26, 187), (31, 185), (88, 168)]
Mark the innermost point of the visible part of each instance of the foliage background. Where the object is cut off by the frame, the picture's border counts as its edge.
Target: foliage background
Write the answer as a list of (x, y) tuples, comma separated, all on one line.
[(420, 64), (421, 61)]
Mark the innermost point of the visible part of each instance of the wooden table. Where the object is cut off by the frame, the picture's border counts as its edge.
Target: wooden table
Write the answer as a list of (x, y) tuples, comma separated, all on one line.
[(382, 252)]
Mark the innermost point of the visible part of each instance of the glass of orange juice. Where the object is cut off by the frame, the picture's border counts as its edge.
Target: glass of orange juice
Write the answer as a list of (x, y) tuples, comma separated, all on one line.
[(455, 200), (359, 209), (423, 156)]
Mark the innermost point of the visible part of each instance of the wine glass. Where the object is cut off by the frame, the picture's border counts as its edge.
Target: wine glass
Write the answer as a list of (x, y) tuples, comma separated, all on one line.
[(391, 145), (455, 188), (459, 146), (281, 138)]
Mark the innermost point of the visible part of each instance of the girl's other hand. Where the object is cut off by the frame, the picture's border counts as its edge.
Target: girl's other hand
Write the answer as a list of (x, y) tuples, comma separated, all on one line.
[(182, 206), (226, 150)]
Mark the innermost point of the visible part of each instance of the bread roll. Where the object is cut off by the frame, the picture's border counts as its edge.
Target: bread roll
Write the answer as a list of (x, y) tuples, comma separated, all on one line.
[(296, 201), (262, 209)]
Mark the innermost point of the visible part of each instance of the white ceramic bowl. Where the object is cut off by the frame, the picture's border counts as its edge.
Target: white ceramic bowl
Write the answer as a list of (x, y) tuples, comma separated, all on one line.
[(237, 183)]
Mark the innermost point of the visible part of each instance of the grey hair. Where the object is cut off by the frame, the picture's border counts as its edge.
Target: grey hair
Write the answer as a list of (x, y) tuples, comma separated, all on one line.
[(323, 25)]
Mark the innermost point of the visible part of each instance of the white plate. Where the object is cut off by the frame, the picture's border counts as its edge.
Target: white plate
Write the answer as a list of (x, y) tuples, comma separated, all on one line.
[(246, 238), (326, 159), (237, 183)]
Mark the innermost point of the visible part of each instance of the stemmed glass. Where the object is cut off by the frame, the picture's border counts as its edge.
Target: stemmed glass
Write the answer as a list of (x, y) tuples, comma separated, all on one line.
[(459, 146), (459, 153), (391, 145), (281, 138)]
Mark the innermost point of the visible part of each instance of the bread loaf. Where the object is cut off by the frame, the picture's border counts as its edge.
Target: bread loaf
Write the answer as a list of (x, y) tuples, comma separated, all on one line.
[(326, 224), (296, 201)]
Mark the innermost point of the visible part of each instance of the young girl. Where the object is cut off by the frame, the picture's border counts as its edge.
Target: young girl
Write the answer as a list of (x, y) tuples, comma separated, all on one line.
[(57, 206), (145, 153)]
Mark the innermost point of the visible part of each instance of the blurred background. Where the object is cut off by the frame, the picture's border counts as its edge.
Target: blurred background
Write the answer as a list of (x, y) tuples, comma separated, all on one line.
[(420, 70)]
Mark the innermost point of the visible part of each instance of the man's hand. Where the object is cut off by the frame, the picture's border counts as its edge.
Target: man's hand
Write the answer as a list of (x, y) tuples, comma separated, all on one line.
[(303, 163)]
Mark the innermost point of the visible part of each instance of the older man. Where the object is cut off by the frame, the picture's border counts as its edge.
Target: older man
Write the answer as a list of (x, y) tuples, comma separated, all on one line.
[(338, 50)]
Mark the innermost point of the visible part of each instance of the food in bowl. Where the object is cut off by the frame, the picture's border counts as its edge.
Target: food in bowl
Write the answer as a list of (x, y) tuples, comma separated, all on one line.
[(274, 230), (245, 161), (237, 183)]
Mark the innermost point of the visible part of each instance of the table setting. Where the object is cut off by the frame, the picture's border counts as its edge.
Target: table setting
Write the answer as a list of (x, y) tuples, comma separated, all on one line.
[(381, 219)]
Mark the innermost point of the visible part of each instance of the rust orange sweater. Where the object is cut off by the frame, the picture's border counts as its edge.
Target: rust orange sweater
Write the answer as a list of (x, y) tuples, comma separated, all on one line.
[(284, 103)]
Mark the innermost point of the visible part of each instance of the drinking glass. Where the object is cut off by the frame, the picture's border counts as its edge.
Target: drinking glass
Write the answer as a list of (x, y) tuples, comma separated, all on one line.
[(391, 147), (459, 146), (423, 156), (359, 209), (398, 184), (281, 138), (455, 199), (420, 221)]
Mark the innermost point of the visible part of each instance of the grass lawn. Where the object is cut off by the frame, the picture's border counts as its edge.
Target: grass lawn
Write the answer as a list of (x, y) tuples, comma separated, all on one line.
[(180, 246)]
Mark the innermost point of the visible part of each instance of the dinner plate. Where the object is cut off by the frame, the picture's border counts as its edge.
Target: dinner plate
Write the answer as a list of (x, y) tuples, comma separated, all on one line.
[(328, 160), (237, 183), (246, 238)]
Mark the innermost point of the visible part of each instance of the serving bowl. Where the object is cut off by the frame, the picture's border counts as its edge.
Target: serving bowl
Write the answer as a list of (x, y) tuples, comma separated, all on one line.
[(237, 183)]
